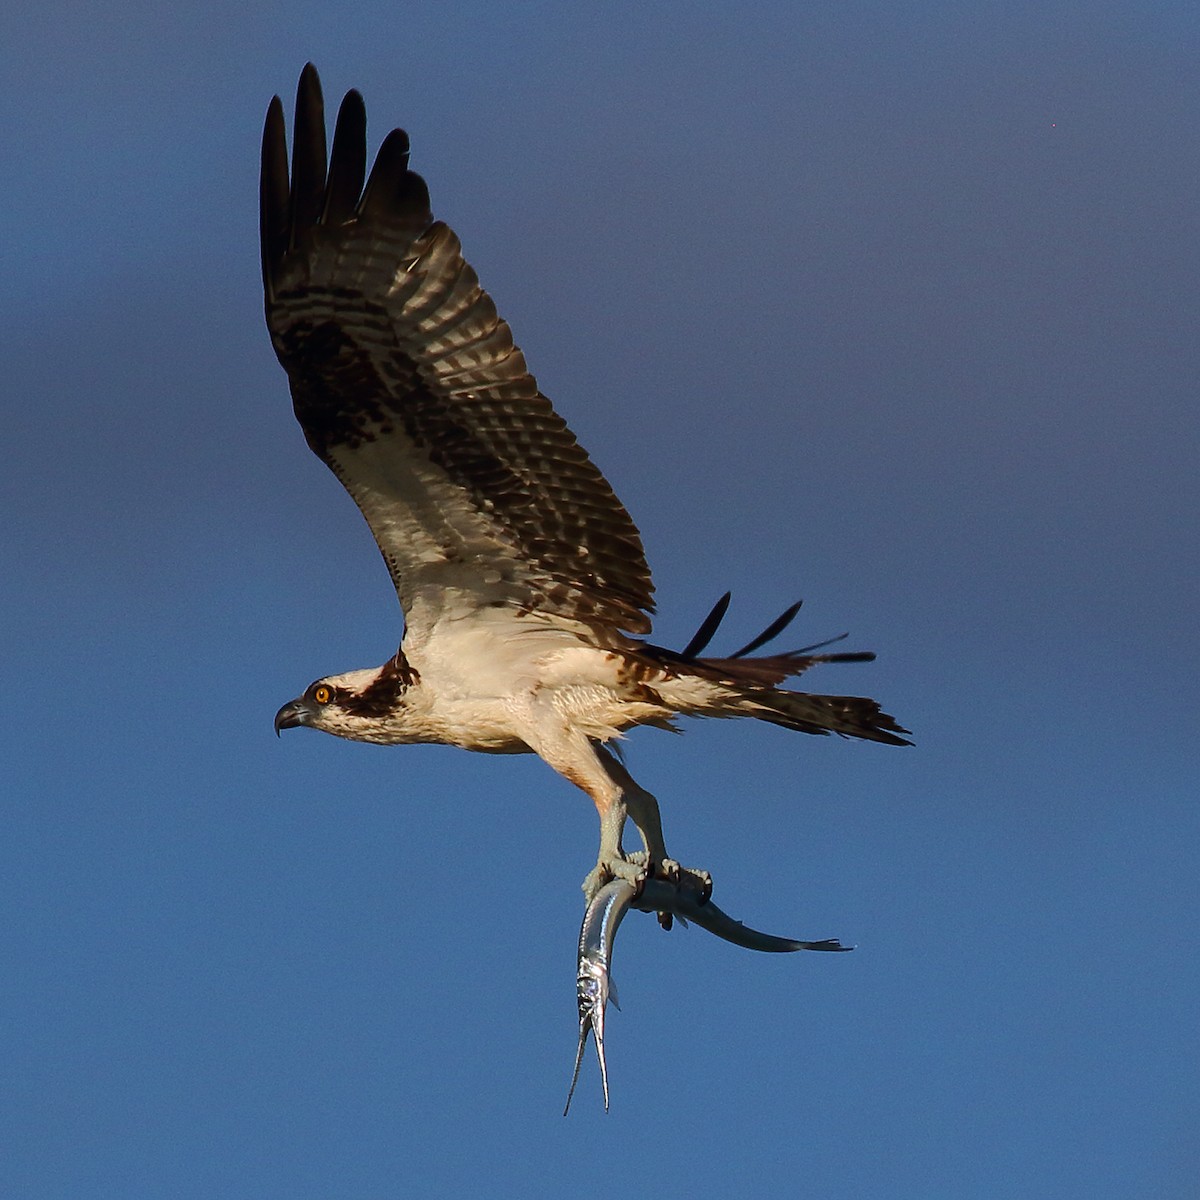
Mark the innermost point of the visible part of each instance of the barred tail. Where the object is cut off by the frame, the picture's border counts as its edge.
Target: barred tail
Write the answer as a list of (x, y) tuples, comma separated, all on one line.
[(848, 716)]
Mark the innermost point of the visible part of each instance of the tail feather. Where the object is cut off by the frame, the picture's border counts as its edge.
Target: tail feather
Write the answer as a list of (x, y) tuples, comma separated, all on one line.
[(755, 684), (847, 716)]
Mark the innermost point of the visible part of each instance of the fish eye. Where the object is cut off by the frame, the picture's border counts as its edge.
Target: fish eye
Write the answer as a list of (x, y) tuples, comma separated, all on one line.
[(322, 694)]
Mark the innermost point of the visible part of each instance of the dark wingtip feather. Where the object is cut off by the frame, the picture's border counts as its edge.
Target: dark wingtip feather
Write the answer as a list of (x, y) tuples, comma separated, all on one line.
[(841, 637), (291, 203), (309, 162), (273, 192), (348, 160), (772, 631), (392, 188), (708, 627)]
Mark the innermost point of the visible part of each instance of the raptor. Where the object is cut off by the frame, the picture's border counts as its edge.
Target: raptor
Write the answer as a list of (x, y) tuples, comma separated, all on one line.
[(522, 579)]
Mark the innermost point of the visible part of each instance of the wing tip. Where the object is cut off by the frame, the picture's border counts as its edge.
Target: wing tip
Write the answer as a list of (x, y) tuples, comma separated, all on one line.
[(393, 190), (329, 188), (274, 191)]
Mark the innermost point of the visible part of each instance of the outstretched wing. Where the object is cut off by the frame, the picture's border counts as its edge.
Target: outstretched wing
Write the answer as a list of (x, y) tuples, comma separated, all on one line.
[(408, 386)]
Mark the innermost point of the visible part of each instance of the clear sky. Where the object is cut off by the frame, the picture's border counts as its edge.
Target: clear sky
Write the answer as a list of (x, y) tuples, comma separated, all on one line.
[(891, 307)]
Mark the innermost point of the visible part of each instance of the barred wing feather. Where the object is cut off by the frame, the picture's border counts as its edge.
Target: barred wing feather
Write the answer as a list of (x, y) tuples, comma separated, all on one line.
[(407, 384)]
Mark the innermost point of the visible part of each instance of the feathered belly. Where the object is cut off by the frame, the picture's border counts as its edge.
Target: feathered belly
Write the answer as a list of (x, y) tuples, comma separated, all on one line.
[(582, 690)]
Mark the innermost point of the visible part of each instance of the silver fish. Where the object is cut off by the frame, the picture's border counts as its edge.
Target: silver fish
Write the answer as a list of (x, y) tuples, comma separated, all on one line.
[(593, 980), (598, 934), (659, 896)]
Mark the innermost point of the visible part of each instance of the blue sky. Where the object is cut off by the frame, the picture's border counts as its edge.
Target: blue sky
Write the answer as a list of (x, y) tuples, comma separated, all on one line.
[(890, 307)]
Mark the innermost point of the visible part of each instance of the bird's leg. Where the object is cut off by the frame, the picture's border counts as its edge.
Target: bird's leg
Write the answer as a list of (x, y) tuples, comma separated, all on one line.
[(641, 807), (575, 757), (611, 862), (588, 765)]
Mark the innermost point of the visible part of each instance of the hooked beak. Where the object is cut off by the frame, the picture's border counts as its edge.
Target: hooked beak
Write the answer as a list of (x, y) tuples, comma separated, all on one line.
[(293, 713)]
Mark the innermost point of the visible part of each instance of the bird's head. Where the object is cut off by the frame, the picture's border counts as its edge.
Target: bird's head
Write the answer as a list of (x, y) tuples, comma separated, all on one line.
[(364, 706)]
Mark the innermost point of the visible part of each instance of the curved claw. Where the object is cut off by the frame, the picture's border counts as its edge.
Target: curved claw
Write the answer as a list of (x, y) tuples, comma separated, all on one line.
[(657, 896), (593, 982)]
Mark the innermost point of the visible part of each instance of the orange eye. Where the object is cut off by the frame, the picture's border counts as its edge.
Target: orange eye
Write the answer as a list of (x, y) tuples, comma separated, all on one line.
[(322, 694)]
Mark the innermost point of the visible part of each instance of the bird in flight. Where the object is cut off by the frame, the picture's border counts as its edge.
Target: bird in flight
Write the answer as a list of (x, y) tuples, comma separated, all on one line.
[(522, 579)]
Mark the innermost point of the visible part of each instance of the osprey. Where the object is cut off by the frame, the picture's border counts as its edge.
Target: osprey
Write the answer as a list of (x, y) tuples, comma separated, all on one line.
[(522, 579)]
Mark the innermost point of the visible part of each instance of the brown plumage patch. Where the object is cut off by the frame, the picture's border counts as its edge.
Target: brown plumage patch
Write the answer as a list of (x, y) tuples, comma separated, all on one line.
[(381, 698)]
